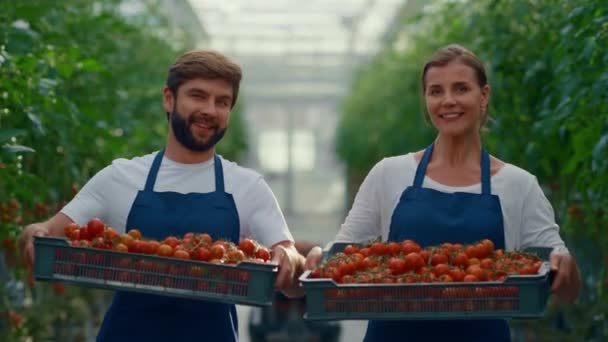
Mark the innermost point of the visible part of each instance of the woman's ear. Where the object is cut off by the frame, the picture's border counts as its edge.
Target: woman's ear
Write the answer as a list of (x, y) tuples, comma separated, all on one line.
[(485, 98)]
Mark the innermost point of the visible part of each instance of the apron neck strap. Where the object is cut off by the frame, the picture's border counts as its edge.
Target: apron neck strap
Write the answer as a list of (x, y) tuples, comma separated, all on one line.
[(486, 188), (421, 169), (154, 170), (151, 180), (486, 185), (219, 173)]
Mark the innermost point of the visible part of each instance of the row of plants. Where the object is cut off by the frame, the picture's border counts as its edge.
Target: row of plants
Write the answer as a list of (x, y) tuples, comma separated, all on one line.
[(80, 85), (548, 70)]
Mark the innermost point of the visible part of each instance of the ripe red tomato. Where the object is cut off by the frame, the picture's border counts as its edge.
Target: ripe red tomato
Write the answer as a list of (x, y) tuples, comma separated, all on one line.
[(96, 227), (457, 247), (206, 238), (126, 239), (460, 259), (69, 228), (83, 233), (171, 241), (350, 249), (217, 251), (488, 244), (202, 254), (164, 250), (247, 246), (347, 267), (393, 248), (439, 258), (474, 261), (121, 247), (181, 254), (482, 250), (137, 246), (110, 234), (150, 247), (365, 251), (477, 271), (235, 256), (379, 248), (486, 263), (470, 278), (440, 269), (188, 236), (425, 254), (413, 262), (457, 274), (262, 253), (135, 234), (396, 265), (470, 251), (73, 234), (410, 246)]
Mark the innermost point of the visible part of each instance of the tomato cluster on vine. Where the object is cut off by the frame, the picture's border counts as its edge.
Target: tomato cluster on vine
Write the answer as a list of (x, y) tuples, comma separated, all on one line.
[(408, 262)]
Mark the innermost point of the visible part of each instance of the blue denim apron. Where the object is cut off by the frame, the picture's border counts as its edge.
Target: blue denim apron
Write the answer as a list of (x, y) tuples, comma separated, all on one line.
[(145, 317), (432, 217)]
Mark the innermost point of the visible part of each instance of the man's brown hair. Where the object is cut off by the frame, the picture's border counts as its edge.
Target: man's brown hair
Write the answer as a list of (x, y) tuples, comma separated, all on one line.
[(209, 65)]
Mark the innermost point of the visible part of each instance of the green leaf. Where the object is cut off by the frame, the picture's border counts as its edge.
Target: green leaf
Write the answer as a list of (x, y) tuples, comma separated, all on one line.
[(91, 65), (600, 149), (37, 123), (17, 148), (46, 85)]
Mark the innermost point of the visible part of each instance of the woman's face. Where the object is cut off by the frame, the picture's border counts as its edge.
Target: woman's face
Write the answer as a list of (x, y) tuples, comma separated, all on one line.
[(454, 99)]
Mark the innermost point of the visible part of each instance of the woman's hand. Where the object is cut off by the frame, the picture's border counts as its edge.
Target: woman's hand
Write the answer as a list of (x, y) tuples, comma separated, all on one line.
[(567, 282), (314, 258)]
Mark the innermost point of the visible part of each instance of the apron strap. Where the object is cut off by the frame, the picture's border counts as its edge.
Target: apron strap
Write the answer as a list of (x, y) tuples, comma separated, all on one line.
[(219, 173), (421, 169), (486, 184), (486, 187), (151, 180)]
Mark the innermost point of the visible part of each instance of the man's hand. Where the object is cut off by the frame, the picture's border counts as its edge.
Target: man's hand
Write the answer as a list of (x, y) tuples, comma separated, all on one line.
[(26, 241), (52, 227), (291, 266), (567, 283)]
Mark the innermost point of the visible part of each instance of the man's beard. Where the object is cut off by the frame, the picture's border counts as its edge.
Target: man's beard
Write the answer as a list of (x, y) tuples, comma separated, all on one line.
[(183, 133)]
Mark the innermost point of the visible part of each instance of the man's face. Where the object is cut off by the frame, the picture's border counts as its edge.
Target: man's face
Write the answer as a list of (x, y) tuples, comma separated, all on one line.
[(199, 113)]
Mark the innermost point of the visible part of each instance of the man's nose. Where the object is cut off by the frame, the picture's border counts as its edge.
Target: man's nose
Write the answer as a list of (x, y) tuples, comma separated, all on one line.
[(209, 107)]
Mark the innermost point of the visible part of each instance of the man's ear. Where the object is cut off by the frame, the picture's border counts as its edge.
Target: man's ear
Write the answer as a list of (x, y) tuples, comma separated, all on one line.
[(168, 99)]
